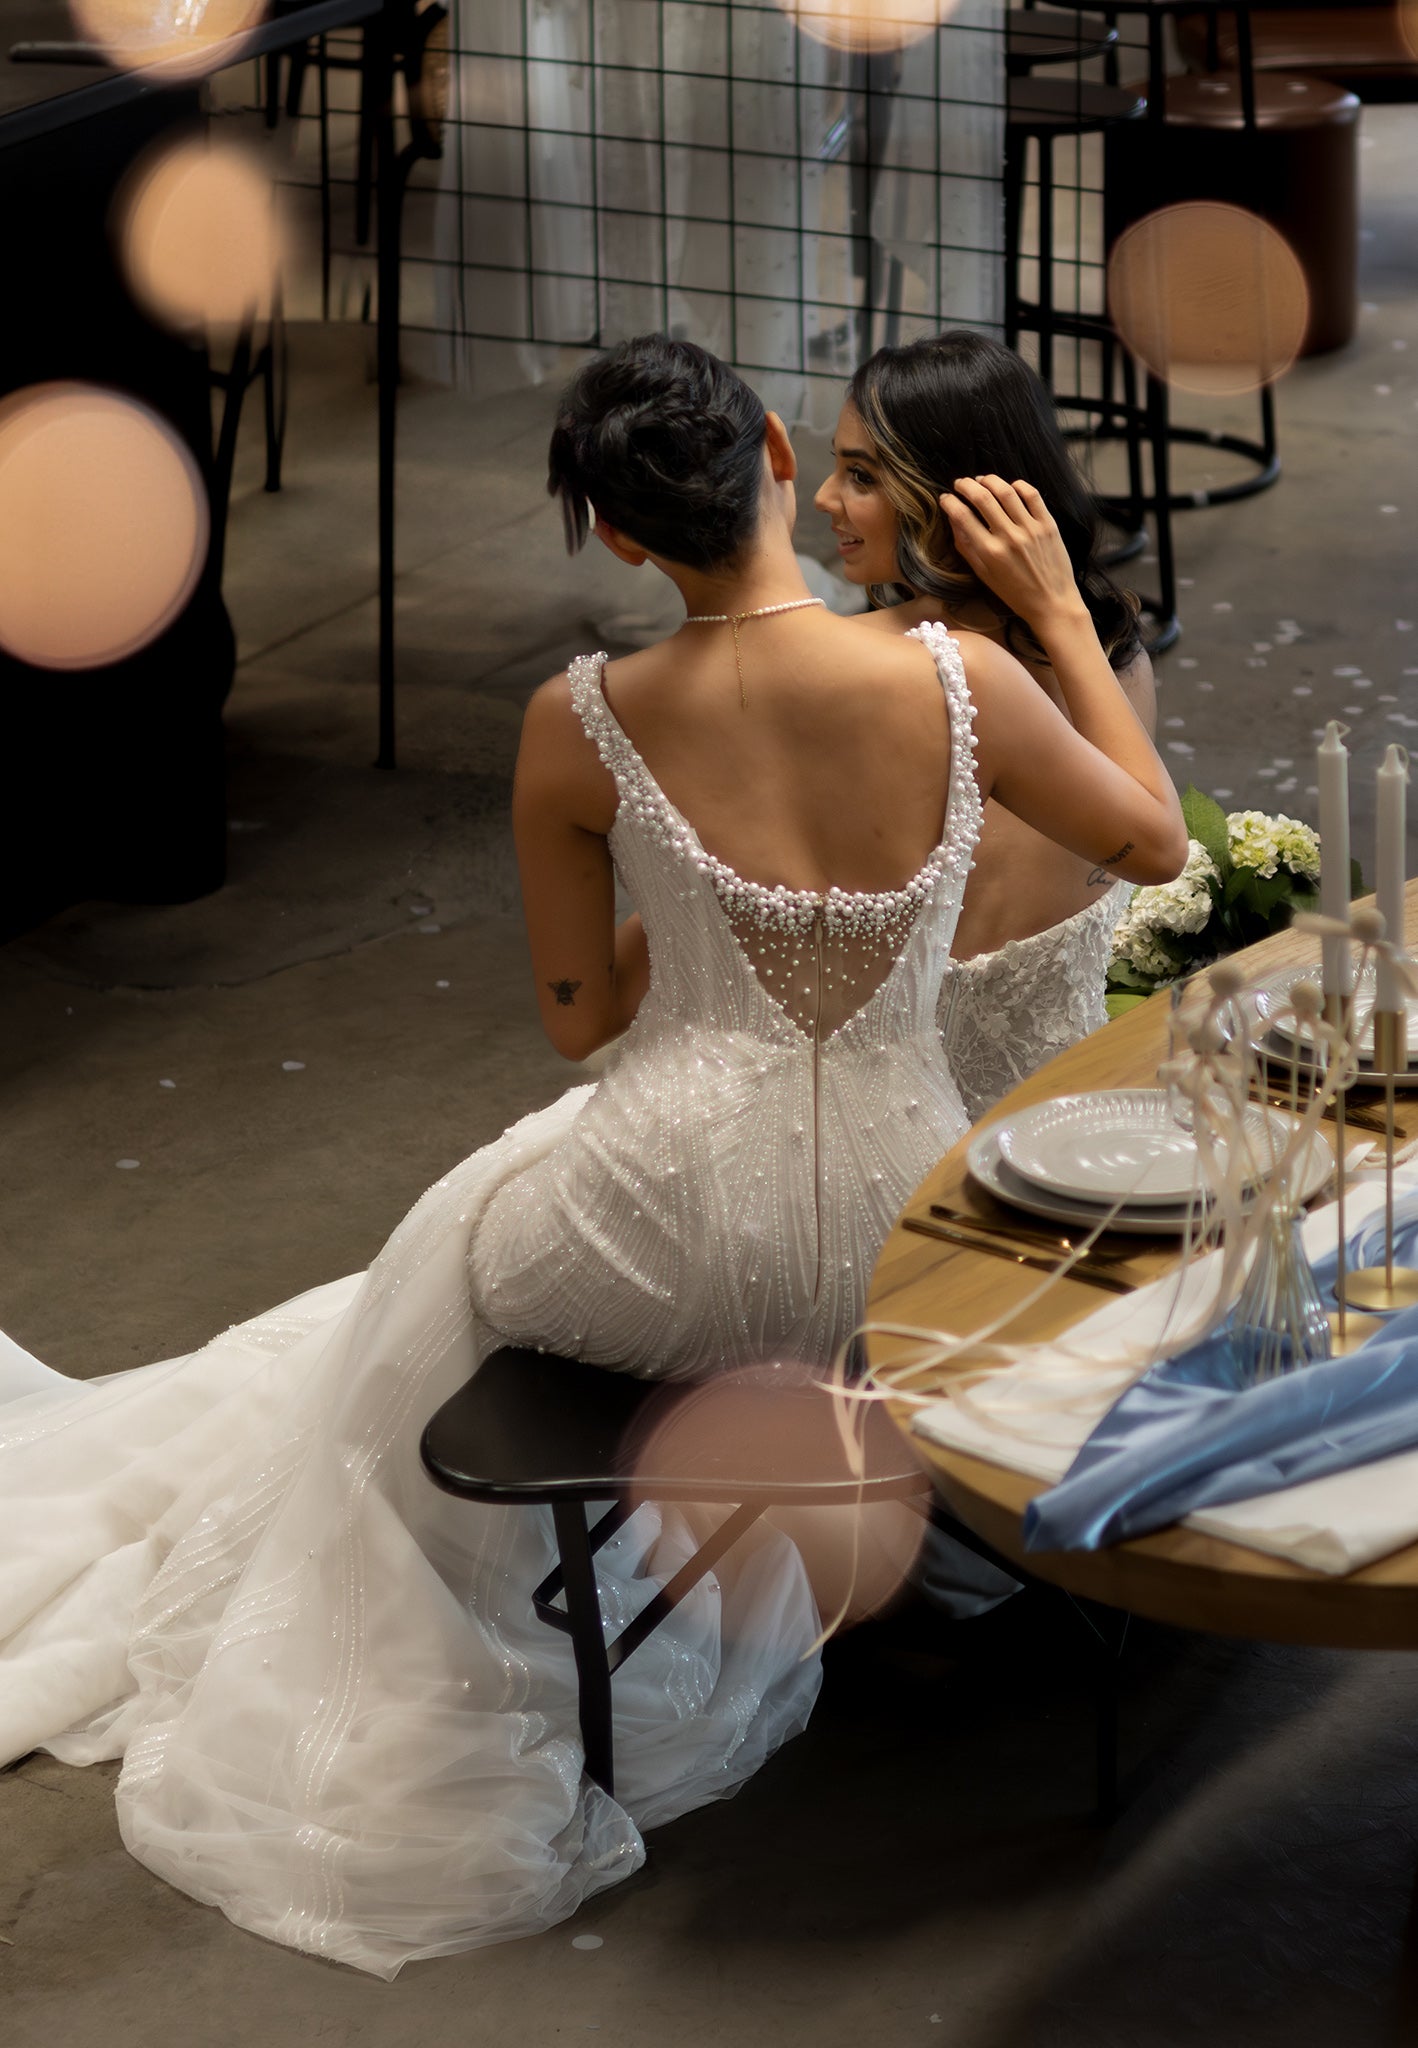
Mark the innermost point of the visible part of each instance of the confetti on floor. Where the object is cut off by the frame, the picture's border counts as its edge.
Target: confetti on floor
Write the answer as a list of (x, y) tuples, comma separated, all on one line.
[(445, 984), (173, 1084), (587, 1941), (126, 1164), (292, 1066), (430, 929)]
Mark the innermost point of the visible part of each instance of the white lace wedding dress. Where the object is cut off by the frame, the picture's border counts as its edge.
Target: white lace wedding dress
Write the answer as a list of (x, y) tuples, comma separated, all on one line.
[(1003, 1014), (339, 1718)]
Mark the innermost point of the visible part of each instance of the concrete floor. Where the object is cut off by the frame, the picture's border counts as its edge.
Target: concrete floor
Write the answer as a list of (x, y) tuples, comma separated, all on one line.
[(210, 1106)]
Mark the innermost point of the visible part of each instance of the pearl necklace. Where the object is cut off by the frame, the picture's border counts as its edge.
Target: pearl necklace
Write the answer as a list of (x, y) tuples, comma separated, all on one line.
[(762, 611)]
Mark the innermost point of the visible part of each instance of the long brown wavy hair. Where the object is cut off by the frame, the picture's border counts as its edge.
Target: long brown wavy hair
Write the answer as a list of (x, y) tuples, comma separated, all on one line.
[(957, 405)]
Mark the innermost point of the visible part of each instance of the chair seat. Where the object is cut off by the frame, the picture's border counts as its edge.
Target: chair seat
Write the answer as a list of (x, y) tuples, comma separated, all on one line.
[(1069, 106), (1046, 35), (530, 1427), (533, 1427)]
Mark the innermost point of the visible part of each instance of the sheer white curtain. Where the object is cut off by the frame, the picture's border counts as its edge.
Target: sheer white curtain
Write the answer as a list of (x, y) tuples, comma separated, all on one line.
[(618, 165)]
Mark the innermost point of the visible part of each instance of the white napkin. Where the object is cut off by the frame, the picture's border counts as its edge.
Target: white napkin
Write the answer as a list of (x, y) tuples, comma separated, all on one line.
[(1035, 1417)]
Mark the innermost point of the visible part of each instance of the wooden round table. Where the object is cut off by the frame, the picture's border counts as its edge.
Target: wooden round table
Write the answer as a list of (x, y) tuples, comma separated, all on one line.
[(1176, 1575)]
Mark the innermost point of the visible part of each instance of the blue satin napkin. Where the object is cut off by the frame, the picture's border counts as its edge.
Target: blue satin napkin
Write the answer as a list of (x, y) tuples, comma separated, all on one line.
[(1187, 1435)]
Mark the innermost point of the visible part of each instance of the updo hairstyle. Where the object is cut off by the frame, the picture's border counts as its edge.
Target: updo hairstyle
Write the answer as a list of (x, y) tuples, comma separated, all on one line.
[(665, 443), (959, 404)]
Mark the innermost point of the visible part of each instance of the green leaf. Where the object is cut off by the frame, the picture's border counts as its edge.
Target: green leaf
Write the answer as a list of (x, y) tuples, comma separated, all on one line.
[(1119, 1001), (1125, 979), (1206, 821)]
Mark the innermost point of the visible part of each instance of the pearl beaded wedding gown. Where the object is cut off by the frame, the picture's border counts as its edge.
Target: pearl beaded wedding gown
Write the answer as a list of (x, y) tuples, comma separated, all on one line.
[(339, 1718)]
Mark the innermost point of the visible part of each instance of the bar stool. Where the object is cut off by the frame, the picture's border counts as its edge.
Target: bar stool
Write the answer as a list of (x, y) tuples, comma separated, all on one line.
[(1047, 35), (1042, 112), (1290, 157)]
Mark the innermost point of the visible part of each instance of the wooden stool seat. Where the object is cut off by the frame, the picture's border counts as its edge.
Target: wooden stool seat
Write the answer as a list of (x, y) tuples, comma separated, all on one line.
[(1359, 45), (1297, 167)]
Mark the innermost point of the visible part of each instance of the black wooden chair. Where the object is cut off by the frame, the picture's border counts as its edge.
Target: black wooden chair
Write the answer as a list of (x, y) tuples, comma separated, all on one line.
[(531, 1428)]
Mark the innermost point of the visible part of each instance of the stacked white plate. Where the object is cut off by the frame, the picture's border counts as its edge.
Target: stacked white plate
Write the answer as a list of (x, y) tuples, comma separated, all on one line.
[(1120, 1158), (1271, 996)]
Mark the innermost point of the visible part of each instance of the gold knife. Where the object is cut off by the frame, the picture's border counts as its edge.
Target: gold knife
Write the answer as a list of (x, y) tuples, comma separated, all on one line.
[(926, 1226), (1029, 1235)]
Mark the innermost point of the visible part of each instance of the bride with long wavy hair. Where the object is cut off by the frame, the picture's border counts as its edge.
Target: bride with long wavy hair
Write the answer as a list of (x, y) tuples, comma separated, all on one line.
[(954, 500)]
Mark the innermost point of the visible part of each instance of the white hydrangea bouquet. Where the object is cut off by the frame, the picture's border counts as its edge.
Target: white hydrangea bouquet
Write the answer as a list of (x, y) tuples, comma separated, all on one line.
[(1246, 876)]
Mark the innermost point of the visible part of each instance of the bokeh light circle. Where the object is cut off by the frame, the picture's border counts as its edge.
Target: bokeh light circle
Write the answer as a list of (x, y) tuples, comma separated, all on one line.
[(198, 233), (1209, 297), (188, 37), (781, 1425), (104, 525), (868, 26)]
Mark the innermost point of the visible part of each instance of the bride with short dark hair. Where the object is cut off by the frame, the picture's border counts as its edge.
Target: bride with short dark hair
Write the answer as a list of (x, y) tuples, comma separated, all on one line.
[(339, 1718)]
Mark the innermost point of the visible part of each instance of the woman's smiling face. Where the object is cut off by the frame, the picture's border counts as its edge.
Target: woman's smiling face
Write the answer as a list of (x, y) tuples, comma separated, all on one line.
[(863, 517)]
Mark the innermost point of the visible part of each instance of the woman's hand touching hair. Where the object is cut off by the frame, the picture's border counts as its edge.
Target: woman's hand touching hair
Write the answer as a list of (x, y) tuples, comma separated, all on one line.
[(1006, 534)]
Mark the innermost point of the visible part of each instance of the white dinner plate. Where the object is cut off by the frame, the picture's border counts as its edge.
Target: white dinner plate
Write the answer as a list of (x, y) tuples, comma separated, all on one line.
[(1159, 1220), (1271, 994), (1118, 1144)]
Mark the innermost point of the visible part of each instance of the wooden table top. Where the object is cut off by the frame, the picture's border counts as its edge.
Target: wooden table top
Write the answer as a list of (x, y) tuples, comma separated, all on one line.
[(1175, 1575)]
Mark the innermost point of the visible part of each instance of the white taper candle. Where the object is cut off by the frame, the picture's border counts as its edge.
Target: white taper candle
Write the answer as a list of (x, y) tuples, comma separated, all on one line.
[(1332, 759), (1389, 861)]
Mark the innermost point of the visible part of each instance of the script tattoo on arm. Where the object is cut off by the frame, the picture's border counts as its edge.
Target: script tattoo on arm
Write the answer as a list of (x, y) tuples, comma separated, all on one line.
[(564, 991), (1100, 874)]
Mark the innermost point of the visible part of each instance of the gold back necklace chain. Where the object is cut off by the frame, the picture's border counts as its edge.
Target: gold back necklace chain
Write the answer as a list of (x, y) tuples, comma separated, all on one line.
[(735, 619)]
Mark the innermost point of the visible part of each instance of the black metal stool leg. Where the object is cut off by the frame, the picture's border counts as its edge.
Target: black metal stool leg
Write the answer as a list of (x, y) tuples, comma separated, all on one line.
[(1015, 147), (1159, 433), (1046, 260), (588, 1640)]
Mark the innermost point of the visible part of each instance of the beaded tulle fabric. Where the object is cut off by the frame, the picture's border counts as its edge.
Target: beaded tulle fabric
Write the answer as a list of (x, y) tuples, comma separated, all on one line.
[(723, 1196), (339, 1718), (1003, 1014)]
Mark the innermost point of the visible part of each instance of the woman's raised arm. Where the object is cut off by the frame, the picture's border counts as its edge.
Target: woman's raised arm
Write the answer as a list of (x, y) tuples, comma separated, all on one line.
[(1097, 787)]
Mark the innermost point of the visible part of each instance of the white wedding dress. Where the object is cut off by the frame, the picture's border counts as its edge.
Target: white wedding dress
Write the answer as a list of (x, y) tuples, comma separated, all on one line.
[(338, 1717), (1003, 1014)]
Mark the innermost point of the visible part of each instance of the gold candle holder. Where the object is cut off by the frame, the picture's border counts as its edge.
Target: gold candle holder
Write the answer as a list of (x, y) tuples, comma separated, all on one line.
[(1387, 1286), (1346, 1330)]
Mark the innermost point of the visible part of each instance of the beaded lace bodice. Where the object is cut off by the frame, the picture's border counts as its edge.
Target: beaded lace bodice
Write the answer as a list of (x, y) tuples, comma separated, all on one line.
[(723, 1195), (819, 958), (1003, 1014)]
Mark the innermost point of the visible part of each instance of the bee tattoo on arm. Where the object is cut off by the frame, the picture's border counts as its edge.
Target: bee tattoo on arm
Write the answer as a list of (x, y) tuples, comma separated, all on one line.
[(565, 992), (1100, 874)]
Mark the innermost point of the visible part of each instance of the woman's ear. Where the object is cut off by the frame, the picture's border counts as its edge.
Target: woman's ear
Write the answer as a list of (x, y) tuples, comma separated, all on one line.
[(624, 549), (781, 460)]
